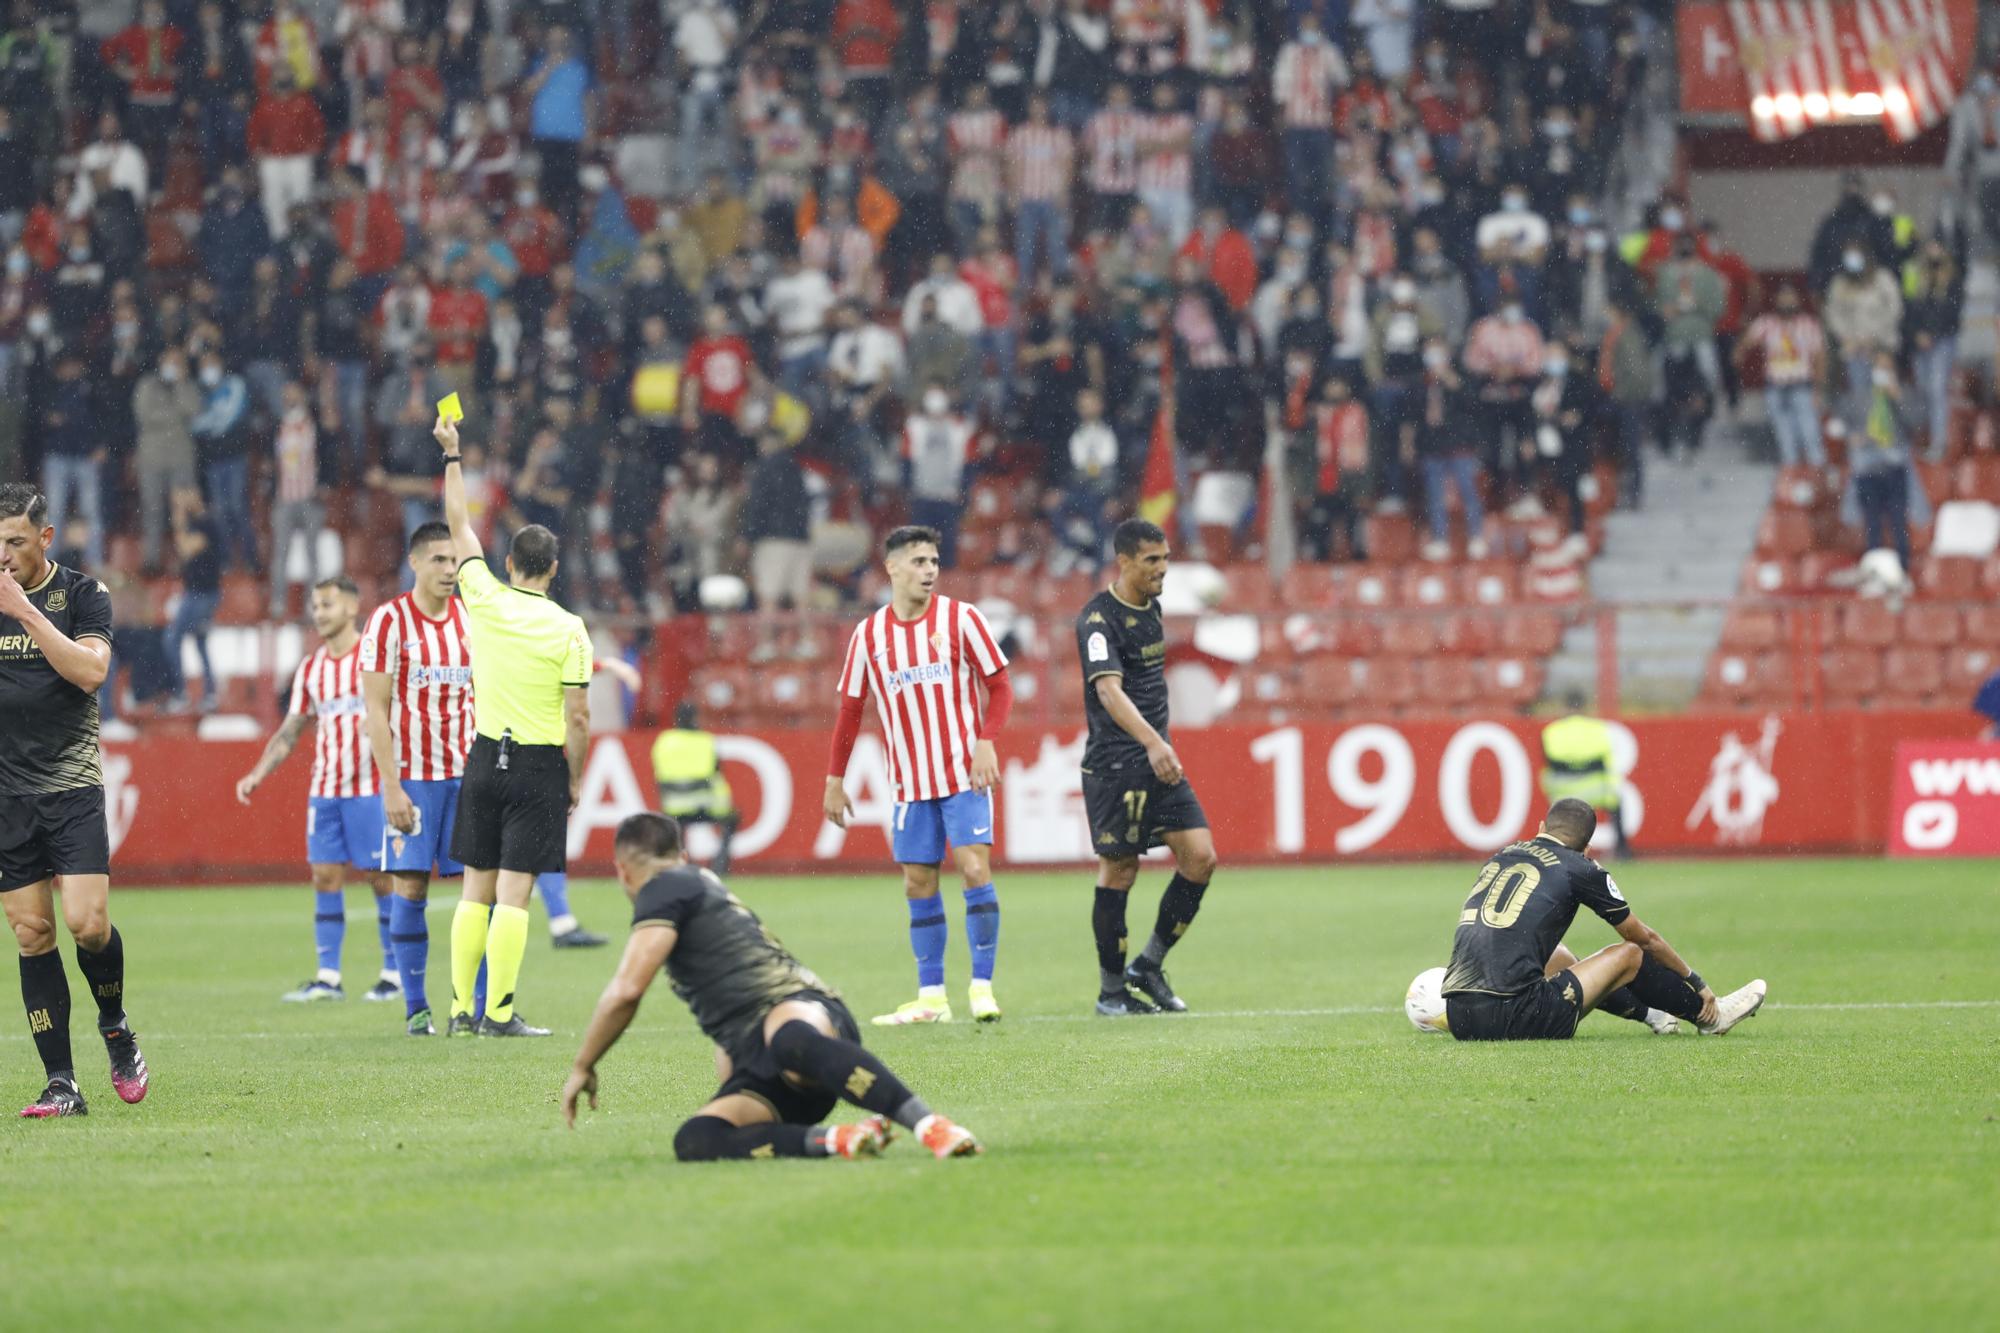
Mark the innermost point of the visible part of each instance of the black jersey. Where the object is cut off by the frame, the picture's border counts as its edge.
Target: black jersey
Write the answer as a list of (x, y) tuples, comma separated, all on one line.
[(1117, 639), (725, 965), (48, 727), (1520, 908)]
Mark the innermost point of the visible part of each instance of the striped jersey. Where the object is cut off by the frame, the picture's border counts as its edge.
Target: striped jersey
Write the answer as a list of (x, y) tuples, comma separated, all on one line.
[(328, 689), (1164, 164), (921, 674), (1112, 142), (1040, 161), (429, 665)]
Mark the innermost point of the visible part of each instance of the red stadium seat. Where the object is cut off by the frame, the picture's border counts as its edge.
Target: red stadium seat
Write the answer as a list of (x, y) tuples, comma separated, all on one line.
[(1249, 589), (1371, 590), (1978, 478), (1912, 670), (1510, 680), (1951, 578), (1410, 636), (1752, 628), (1771, 578), (1306, 586), (1429, 585), (1386, 682), (1868, 625), (1531, 633), (1785, 532), (1734, 679), (1850, 674), (1391, 538), (1469, 633), (1448, 682), (1489, 584), (1935, 626), (1982, 626), (1327, 683), (1966, 669), (1359, 637)]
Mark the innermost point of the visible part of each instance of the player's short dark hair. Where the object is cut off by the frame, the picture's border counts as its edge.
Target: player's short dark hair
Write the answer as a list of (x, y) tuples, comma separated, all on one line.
[(911, 534), (1572, 821), (649, 834), (533, 551), (18, 498), (427, 533), (1134, 533), (339, 583)]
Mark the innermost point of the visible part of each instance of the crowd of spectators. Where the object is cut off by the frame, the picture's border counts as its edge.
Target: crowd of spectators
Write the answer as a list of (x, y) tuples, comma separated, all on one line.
[(730, 284)]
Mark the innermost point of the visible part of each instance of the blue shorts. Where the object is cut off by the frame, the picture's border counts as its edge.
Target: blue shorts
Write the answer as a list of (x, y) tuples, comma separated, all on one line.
[(429, 844), (923, 828), (344, 830)]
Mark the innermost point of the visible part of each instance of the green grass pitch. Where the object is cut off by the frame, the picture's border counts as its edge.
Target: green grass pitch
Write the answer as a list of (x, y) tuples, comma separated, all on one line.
[(1291, 1156)]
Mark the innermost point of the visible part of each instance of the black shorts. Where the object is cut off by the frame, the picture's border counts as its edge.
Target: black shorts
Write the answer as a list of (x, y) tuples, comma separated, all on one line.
[(516, 818), (53, 833), (755, 1071), (1130, 810), (1547, 1011)]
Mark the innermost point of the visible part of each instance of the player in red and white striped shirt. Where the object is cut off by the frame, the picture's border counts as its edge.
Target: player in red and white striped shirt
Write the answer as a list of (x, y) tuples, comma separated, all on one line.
[(343, 813), (921, 658), (416, 674)]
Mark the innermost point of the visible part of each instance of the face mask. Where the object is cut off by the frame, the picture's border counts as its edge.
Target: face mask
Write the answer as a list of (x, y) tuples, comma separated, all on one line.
[(295, 414), (1671, 219), (38, 324), (1513, 203), (459, 23), (1595, 242), (1884, 205), (1557, 129), (1984, 85), (79, 254), (170, 374), (1312, 37), (17, 264), (1431, 195), (1291, 270), (1402, 291), (1556, 365), (936, 403), (525, 198), (126, 328), (1885, 379), (1436, 358), (1308, 310), (211, 375), (1512, 314), (1299, 238), (1579, 216), (1853, 262)]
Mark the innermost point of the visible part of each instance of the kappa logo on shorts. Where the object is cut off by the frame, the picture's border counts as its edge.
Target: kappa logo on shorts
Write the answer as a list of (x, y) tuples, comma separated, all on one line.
[(58, 600), (1569, 992)]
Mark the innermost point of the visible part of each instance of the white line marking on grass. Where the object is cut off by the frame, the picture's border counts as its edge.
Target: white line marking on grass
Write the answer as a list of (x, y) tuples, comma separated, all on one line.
[(1343, 1011)]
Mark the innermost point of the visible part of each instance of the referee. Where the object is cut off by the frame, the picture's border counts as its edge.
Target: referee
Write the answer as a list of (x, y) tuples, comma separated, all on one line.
[(531, 721)]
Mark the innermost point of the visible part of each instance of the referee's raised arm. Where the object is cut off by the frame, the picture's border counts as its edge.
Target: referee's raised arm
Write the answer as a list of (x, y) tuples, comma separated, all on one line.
[(464, 541)]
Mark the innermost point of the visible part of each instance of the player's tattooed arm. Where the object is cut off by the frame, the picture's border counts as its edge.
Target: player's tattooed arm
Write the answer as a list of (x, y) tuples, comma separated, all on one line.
[(645, 954), (1111, 693), (278, 749)]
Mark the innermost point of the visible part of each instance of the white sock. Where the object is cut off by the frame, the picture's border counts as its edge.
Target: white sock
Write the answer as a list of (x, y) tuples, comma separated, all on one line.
[(392, 976), (930, 993), (561, 925), (330, 975)]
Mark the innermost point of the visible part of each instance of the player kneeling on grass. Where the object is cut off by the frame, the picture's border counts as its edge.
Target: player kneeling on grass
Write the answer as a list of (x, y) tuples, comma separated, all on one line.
[(1508, 980), (787, 1049)]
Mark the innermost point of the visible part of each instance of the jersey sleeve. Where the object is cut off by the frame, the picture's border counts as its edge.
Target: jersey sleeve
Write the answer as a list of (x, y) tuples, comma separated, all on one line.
[(89, 611), (980, 645), (1098, 646), (669, 899), (476, 583), (1596, 890), (577, 661), (378, 643), (854, 669), (301, 701)]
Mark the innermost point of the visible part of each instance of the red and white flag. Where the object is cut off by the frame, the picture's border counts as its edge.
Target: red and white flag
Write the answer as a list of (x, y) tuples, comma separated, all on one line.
[(1792, 53), (1909, 47)]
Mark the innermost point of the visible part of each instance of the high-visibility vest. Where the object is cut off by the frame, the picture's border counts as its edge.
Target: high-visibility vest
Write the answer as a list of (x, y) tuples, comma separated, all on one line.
[(688, 774), (1577, 761)]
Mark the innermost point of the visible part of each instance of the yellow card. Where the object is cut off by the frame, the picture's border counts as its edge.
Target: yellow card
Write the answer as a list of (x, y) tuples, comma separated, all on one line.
[(449, 408)]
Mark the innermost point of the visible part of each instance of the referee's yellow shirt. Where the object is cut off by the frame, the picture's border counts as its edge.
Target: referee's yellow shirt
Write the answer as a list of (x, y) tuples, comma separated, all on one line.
[(525, 650)]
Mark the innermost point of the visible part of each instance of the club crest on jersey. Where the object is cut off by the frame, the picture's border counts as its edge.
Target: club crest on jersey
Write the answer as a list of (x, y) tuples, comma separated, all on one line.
[(937, 643), (58, 600)]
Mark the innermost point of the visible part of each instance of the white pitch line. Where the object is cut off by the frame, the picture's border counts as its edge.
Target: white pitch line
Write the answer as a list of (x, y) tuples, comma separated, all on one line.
[(1343, 1011)]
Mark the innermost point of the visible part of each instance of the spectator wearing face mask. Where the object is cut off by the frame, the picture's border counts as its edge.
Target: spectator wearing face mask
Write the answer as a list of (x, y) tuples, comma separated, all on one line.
[(298, 507), (1691, 300), (1514, 231), (1503, 352), (1972, 159), (164, 406), (1864, 312), (1440, 286), (1083, 520), (72, 453), (1309, 75), (1558, 453), (1880, 457), (1446, 441), (938, 445), (222, 442), (1851, 225), (1934, 283), (286, 135), (1395, 368), (1342, 479), (1788, 342)]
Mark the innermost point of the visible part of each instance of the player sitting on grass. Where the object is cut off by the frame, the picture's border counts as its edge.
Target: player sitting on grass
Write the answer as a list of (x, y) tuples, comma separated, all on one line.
[(787, 1049), (1504, 982)]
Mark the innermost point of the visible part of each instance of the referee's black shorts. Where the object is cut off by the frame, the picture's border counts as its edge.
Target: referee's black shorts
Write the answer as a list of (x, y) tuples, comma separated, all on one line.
[(53, 833), (516, 818)]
